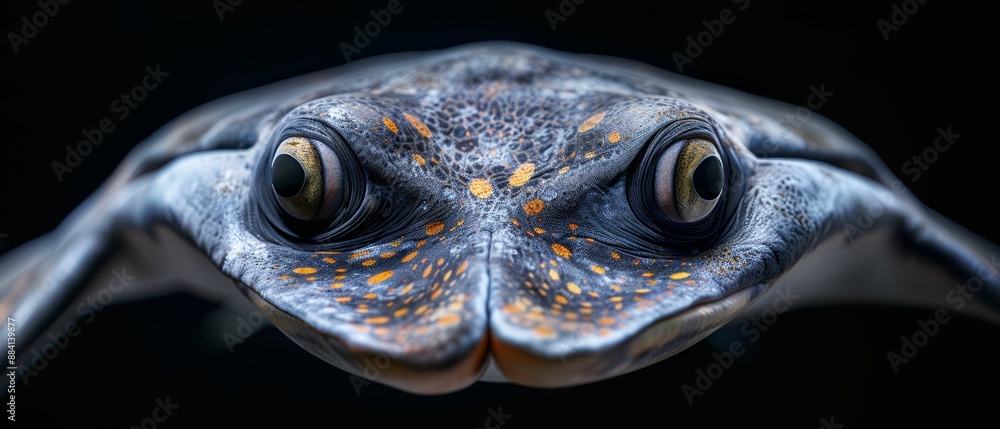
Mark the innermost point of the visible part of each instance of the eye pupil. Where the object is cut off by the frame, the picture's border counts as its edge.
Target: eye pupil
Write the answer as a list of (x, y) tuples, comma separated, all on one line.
[(707, 178), (287, 176)]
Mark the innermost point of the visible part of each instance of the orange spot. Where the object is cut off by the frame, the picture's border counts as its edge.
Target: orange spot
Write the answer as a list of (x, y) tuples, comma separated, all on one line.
[(590, 122), (360, 254), (562, 299), (387, 255), (534, 207), (515, 222), (305, 270), (419, 159), (573, 226), (614, 137), (514, 308), (449, 320), (597, 269), (563, 170), (462, 267), (647, 274), (554, 275), (427, 271), (420, 310), (545, 331), (284, 277), (561, 250), (480, 188), (329, 260), (642, 291), (380, 277), (606, 321), (522, 174), (572, 287), (539, 230), (589, 155), (434, 228), (615, 255), (409, 257), (370, 296), (376, 320), (390, 125), (368, 262), (342, 299), (401, 312), (406, 289), (615, 299), (421, 128), (680, 275)]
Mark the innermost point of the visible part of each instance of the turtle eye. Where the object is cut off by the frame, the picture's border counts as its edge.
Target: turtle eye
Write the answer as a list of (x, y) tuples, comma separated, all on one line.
[(688, 181), (682, 188), (307, 179)]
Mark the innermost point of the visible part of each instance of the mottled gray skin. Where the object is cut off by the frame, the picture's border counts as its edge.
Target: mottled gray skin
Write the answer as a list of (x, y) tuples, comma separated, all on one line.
[(547, 273)]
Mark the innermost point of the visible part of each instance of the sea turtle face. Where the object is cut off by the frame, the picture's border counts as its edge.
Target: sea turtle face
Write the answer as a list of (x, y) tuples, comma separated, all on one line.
[(563, 217)]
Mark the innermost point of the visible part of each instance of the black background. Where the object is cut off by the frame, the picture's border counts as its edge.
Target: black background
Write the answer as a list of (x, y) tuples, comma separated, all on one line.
[(892, 94)]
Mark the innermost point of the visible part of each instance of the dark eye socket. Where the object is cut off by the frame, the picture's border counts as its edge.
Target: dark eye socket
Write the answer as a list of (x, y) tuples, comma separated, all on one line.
[(679, 187), (307, 179), (311, 187)]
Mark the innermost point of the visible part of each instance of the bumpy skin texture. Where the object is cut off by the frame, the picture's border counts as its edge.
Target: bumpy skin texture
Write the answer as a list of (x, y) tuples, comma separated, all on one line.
[(495, 218)]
